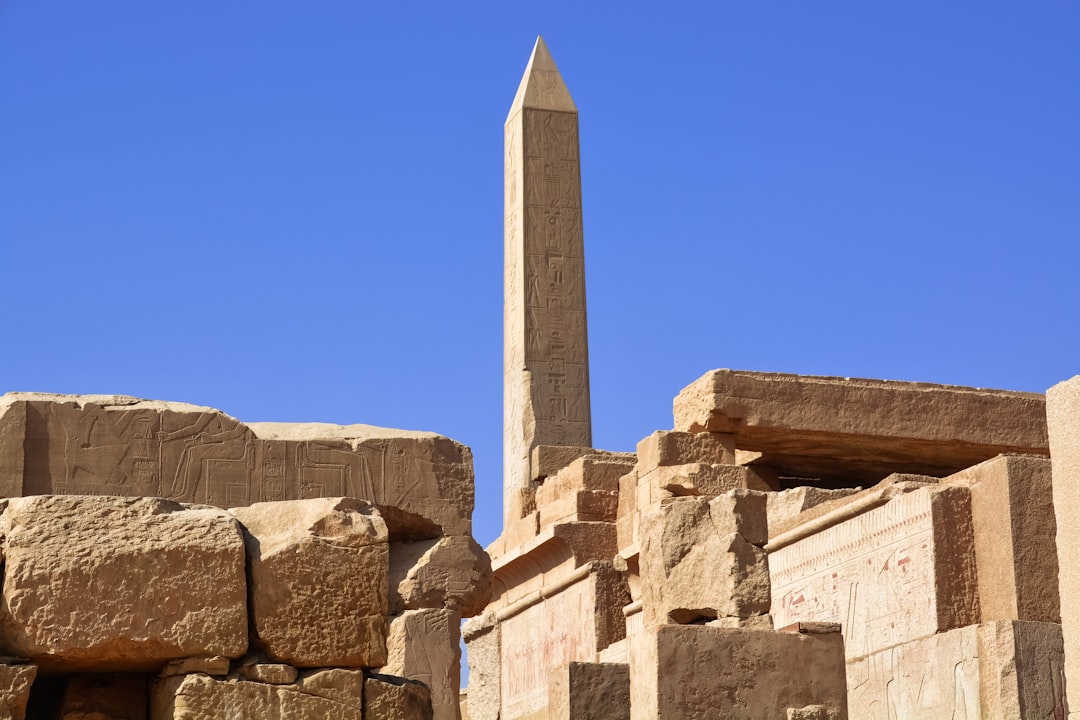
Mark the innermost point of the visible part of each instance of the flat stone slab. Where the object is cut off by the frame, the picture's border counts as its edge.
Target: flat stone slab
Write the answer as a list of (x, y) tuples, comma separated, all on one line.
[(861, 430)]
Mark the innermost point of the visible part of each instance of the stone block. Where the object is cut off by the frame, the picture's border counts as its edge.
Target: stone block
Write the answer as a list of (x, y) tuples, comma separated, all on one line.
[(15, 683), (102, 584), (680, 448), (119, 445), (580, 506), (694, 569), (861, 430), (743, 512), (319, 587), (786, 505), (589, 472), (589, 691), (994, 671), (211, 665), (483, 639), (899, 571), (269, 673), (424, 645), (452, 572), (200, 697), (120, 696), (391, 698), (702, 479), (694, 672), (345, 687), (1012, 510)]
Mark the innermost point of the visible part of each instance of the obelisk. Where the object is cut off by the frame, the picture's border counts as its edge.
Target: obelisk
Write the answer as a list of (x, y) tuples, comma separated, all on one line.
[(546, 357)]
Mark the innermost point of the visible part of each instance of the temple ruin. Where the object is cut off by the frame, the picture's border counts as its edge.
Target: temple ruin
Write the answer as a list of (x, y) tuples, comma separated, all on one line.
[(789, 548)]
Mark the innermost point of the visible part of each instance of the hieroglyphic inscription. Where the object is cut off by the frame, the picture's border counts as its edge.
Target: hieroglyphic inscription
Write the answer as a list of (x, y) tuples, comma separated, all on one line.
[(875, 574), (541, 639), (546, 396)]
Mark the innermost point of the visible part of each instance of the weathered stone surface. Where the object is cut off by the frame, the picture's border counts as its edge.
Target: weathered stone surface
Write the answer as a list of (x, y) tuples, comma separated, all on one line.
[(1063, 421), (854, 429), (211, 665), (897, 572), (693, 672), (424, 645), (694, 568), (1012, 511), (451, 572), (546, 360), (15, 683), (269, 673), (785, 505), (345, 687), (483, 635), (201, 697), (105, 583), (391, 698), (680, 448), (581, 506), (995, 671), (120, 696), (319, 589), (118, 445), (589, 691)]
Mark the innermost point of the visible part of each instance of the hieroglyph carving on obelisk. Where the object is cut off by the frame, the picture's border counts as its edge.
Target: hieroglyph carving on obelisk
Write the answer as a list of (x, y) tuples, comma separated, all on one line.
[(546, 359)]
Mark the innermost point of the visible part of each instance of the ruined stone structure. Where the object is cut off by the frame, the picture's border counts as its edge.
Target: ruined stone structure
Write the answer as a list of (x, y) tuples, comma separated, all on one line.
[(167, 561)]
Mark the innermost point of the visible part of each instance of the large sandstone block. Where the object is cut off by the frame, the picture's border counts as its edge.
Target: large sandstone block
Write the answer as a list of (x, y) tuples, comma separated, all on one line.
[(1012, 510), (201, 697), (694, 672), (15, 683), (424, 645), (119, 445), (391, 698), (897, 572), (319, 588), (589, 691), (679, 448), (857, 429), (994, 671), (106, 583), (452, 572), (697, 562)]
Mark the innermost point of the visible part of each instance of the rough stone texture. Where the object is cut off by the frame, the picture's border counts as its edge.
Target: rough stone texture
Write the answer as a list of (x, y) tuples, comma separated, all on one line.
[(390, 698), (319, 588), (581, 506), (483, 638), (693, 672), (424, 645), (451, 572), (786, 505), (994, 671), (897, 572), (589, 691), (212, 665), (680, 448), (269, 673), (854, 429), (549, 460), (694, 568), (15, 683), (119, 445), (1063, 421), (120, 696), (1012, 511), (546, 360), (201, 697), (107, 583)]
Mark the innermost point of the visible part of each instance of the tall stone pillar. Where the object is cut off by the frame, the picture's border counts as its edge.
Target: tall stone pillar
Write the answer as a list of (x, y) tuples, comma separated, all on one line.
[(546, 360)]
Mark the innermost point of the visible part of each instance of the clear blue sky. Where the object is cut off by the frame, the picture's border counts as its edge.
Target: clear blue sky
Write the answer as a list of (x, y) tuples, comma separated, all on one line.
[(293, 211)]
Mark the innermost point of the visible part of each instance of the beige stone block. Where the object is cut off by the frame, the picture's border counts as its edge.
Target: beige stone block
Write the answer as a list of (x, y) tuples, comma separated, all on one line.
[(319, 586), (590, 472), (680, 448), (269, 673), (589, 468), (1013, 517), (345, 687), (693, 569), (786, 505), (424, 645), (452, 572), (701, 479), (211, 665), (581, 506), (1063, 420), (743, 512), (392, 698), (483, 639), (120, 696), (994, 671), (693, 672), (104, 584), (119, 445), (15, 683), (589, 691), (201, 697), (861, 430)]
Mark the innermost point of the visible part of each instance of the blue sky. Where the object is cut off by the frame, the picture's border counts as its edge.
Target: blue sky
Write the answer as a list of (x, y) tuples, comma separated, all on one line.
[(293, 211)]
